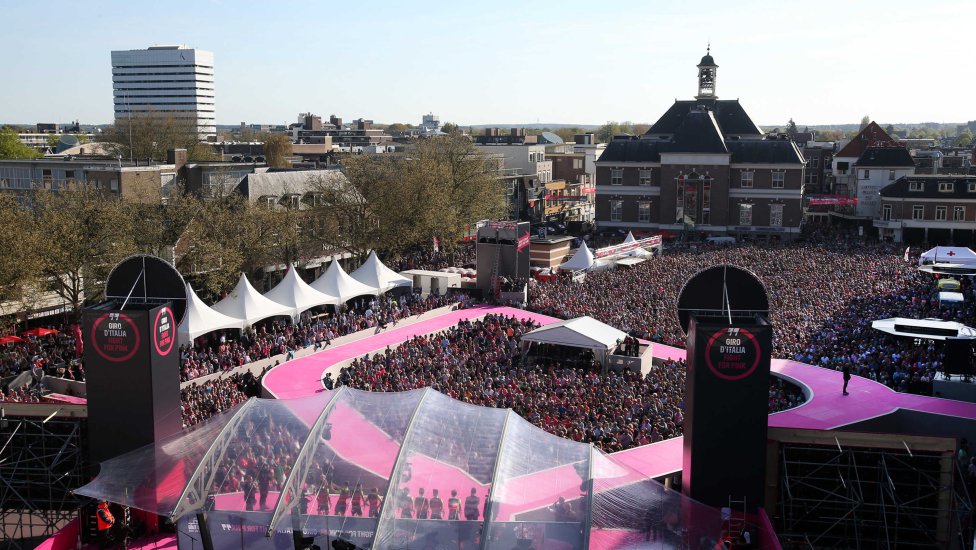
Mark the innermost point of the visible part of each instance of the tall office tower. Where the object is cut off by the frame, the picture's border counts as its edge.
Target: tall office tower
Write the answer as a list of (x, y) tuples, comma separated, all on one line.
[(166, 81)]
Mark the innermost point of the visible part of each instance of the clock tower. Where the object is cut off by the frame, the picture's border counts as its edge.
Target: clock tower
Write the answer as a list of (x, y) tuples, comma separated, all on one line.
[(707, 70)]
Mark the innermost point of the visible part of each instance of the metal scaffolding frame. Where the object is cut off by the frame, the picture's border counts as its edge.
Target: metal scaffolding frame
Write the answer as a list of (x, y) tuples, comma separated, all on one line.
[(43, 457), (864, 494)]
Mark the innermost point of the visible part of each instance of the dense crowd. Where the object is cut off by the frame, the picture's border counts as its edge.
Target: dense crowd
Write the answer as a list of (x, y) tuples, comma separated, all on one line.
[(823, 292), (462, 256), (202, 400), (479, 362), (221, 351), (55, 353)]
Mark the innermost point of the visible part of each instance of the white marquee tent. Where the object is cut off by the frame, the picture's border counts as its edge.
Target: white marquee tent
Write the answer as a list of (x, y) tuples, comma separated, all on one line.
[(929, 329), (201, 318), (582, 259), (295, 293), (249, 305), (959, 255), (374, 274), (637, 252), (336, 282), (581, 332)]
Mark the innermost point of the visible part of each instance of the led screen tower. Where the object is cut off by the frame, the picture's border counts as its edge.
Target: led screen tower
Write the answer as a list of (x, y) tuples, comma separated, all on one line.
[(723, 310), (132, 357)]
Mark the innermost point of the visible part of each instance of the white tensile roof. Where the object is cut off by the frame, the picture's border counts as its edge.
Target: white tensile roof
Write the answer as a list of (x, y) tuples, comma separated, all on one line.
[(292, 291), (949, 254), (201, 318), (249, 305), (582, 259), (336, 282), (931, 329), (637, 252), (374, 274), (582, 332)]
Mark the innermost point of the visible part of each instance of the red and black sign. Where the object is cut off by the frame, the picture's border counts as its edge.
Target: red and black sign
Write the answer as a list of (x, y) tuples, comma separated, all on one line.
[(732, 353), (115, 337), (163, 331)]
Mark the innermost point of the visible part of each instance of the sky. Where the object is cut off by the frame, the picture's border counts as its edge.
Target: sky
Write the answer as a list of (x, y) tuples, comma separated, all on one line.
[(506, 62)]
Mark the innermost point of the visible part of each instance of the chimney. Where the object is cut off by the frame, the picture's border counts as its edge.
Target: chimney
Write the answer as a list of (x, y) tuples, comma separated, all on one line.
[(176, 157)]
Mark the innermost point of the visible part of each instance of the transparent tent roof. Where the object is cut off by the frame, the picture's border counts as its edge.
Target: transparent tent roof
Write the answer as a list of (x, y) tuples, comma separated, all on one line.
[(413, 469)]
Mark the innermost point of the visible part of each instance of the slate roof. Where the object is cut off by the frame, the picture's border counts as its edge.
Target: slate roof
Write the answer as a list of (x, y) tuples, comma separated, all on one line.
[(766, 151), (731, 118), (885, 156), (930, 187), (633, 150), (698, 132)]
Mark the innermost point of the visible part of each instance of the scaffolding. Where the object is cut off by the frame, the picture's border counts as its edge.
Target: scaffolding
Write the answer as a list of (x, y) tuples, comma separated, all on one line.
[(857, 490), (43, 457)]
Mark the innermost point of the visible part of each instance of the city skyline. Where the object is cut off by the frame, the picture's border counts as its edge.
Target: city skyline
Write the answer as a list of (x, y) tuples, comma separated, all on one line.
[(565, 63)]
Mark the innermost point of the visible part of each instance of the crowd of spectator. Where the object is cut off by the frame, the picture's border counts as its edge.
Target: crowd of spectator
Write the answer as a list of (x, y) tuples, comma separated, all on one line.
[(56, 353), (824, 292), (462, 256), (202, 400), (479, 362)]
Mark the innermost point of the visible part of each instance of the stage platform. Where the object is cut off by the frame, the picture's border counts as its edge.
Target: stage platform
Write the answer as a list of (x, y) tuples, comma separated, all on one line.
[(825, 408)]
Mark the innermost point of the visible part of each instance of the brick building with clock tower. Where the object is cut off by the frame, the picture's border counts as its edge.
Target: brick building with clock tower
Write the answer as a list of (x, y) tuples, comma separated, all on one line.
[(703, 167)]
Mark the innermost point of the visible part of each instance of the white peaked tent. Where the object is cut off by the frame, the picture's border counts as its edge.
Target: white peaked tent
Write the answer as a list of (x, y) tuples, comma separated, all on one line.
[(201, 318), (249, 305), (292, 291), (336, 282), (637, 252), (374, 274), (583, 259), (960, 255), (581, 332)]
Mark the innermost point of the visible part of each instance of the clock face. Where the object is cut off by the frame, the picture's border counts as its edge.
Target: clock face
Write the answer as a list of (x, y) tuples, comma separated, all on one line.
[(707, 76)]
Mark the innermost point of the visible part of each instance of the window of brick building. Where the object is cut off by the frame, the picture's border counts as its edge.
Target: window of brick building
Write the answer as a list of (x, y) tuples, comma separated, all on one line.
[(918, 212), (616, 211), (776, 215), (745, 214), (747, 178), (616, 176), (644, 212), (779, 180), (645, 176)]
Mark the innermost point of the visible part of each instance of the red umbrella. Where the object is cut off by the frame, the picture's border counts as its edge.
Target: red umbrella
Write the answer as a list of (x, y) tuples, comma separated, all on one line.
[(10, 339), (39, 332)]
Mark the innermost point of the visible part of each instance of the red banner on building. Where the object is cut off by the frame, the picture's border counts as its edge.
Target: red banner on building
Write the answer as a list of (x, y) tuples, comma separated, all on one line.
[(832, 200), (523, 241)]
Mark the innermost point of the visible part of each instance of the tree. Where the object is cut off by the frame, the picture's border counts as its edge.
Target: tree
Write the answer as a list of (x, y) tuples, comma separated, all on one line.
[(82, 233), (397, 127), (450, 128), (212, 245), (606, 132), (865, 120), (19, 266), (791, 128), (965, 139), (890, 130), (277, 149), (12, 148), (395, 203), (149, 137)]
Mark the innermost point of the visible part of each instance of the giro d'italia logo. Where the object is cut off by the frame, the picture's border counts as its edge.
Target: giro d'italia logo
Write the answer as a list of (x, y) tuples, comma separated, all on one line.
[(732, 353), (163, 331), (115, 337)]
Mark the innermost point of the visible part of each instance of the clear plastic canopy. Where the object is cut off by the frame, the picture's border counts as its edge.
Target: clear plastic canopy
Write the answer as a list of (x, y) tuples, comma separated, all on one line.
[(462, 476)]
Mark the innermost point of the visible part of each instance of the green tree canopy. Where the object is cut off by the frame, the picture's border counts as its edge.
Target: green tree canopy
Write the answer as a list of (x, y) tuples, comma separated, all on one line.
[(277, 149), (12, 148), (865, 120), (149, 137), (964, 139)]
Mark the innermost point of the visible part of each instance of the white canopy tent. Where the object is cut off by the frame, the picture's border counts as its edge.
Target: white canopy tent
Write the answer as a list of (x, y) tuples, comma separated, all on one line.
[(292, 291), (374, 274), (249, 305), (637, 252), (930, 329), (583, 259), (959, 255), (336, 282), (201, 318), (581, 332)]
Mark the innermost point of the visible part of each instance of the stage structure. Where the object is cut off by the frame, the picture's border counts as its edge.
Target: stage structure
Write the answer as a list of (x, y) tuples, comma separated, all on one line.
[(503, 251), (723, 311), (42, 460), (866, 490), (132, 357)]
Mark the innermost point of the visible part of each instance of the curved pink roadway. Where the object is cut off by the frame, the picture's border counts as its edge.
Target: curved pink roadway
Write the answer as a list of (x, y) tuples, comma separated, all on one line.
[(824, 409)]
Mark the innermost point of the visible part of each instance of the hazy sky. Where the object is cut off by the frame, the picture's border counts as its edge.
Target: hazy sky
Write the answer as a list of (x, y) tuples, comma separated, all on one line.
[(563, 61)]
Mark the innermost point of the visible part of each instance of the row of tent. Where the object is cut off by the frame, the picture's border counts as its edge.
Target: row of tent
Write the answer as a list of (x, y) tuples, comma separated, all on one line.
[(584, 259), (245, 306)]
